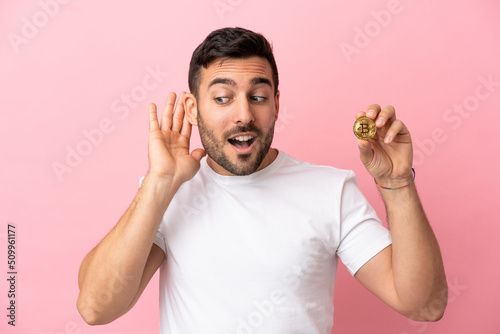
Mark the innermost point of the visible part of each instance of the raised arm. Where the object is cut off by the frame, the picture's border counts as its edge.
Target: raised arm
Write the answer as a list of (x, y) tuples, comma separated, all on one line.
[(113, 275), (408, 275)]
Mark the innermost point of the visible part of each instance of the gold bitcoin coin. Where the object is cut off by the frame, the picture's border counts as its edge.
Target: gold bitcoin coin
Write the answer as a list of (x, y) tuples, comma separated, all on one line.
[(364, 128)]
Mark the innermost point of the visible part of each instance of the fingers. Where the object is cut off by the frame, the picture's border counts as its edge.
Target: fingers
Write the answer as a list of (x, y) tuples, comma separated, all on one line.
[(198, 153), (385, 116), (381, 115), (397, 128), (186, 125), (372, 111), (365, 151), (173, 115), (360, 114), (153, 118), (168, 112), (178, 118)]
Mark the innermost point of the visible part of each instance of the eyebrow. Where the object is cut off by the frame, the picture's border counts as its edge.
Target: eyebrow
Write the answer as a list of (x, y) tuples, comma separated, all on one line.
[(223, 81), (230, 82), (261, 80)]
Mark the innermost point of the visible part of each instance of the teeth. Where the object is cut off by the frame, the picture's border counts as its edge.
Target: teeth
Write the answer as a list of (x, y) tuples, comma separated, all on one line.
[(243, 138)]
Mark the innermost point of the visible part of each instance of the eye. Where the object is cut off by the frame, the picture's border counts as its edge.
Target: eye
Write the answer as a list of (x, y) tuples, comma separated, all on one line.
[(258, 98), (221, 100)]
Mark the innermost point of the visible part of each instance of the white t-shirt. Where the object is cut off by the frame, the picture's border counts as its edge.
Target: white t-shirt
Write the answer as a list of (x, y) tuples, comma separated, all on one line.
[(258, 253)]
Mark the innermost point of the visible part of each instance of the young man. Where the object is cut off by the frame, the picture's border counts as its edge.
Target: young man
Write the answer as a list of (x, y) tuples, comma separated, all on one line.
[(248, 238)]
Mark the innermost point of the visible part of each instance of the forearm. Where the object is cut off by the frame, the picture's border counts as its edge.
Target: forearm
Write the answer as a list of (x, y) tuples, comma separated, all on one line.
[(417, 266), (110, 274)]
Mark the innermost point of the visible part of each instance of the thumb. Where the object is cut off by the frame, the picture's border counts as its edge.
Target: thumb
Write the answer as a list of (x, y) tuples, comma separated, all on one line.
[(198, 154), (365, 151)]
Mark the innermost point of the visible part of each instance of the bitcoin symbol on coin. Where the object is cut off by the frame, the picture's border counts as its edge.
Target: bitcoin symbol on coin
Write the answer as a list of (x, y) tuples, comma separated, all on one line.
[(364, 128)]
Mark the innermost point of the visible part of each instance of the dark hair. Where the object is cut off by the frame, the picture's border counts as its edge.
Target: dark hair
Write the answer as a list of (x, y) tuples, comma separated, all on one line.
[(230, 43)]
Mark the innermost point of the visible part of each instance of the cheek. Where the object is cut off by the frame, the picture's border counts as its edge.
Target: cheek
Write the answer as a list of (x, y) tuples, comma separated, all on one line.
[(216, 126), (219, 125), (272, 118)]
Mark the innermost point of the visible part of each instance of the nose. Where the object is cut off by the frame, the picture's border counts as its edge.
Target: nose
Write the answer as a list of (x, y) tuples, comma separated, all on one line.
[(242, 113)]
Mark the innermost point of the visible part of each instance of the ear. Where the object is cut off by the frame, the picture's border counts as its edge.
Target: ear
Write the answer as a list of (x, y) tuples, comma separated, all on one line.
[(191, 108), (277, 104)]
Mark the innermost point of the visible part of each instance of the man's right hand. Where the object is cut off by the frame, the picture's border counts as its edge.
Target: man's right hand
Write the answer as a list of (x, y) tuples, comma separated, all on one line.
[(169, 156), (127, 257)]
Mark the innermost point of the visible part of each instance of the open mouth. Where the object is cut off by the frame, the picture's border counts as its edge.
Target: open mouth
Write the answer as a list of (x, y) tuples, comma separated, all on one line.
[(242, 142)]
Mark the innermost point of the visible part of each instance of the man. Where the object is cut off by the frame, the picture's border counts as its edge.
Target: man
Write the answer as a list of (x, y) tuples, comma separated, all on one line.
[(248, 238)]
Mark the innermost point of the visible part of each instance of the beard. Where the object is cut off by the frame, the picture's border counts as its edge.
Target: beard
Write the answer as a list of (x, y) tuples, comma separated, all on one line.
[(244, 164)]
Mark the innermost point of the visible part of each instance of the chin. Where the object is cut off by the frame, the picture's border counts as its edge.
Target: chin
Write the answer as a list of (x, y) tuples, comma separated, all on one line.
[(240, 164)]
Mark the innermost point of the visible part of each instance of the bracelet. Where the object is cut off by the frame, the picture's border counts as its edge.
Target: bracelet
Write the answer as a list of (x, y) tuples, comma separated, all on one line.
[(413, 170)]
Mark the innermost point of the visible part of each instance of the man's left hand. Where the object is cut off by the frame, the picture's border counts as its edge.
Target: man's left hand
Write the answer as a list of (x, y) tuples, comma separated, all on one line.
[(388, 156)]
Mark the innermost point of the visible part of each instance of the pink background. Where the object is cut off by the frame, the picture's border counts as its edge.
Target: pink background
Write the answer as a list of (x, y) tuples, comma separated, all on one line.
[(65, 68)]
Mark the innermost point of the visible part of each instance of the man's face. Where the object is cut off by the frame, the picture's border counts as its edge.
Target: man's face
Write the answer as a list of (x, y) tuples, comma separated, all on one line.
[(236, 113)]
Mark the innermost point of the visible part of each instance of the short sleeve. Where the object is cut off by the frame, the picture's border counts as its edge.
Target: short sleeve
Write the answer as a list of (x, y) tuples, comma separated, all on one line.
[(160, 242), (362, 234)]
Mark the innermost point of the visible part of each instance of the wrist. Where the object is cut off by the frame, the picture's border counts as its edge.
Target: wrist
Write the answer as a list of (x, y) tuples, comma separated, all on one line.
[(157, 191), (393, 183), (160, 183)]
